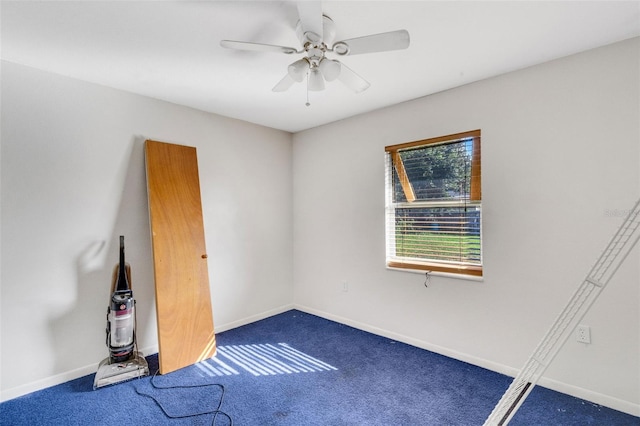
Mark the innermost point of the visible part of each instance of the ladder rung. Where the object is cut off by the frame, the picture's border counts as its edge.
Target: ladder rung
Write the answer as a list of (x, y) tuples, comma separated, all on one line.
[(594, 282), (539, 361)]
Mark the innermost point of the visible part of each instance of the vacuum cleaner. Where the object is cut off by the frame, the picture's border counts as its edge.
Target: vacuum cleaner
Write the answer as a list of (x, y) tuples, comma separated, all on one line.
[(124, 361)]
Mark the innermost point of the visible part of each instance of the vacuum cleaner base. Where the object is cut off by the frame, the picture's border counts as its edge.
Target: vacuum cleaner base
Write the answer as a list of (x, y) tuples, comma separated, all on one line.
[(111, 373)]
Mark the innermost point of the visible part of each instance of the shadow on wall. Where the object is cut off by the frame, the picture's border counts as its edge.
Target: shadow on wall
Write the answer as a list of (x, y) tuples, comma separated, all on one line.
[(81, 328)]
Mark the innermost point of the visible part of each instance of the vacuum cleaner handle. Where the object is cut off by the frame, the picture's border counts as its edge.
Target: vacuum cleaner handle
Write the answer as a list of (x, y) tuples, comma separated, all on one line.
[(122, 283)]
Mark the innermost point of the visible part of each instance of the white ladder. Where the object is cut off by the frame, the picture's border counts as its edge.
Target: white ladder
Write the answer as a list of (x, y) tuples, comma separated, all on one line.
[(605, 267)]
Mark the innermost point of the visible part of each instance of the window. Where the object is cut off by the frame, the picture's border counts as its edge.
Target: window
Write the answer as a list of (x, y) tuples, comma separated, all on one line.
[(434, 204)]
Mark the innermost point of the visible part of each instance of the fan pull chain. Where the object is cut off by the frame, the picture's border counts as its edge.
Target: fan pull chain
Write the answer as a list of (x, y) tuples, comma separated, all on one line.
[(308, 104)]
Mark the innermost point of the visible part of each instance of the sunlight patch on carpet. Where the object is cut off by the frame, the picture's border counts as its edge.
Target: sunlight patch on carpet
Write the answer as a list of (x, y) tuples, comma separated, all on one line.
[(216, 367), (268, 359)]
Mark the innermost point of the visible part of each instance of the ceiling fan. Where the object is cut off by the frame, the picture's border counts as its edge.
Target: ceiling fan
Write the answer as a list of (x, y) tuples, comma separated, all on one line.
[(316, 33)]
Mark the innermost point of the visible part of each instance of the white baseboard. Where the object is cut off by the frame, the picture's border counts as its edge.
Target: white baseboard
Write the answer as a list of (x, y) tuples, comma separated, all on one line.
[(253, 318), (590, 396), (66, 376), (60, 378), (594, 397), (48, 382)]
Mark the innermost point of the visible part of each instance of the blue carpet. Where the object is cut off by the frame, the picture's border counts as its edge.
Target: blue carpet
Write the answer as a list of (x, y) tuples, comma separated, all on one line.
[(299, 369)]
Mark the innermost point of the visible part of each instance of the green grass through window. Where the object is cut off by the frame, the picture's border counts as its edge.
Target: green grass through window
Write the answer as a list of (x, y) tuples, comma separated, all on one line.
[(439, 246)]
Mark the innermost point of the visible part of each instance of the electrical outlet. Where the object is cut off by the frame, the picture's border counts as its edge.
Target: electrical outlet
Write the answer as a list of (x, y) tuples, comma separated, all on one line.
[(584, 334), (345, 286)]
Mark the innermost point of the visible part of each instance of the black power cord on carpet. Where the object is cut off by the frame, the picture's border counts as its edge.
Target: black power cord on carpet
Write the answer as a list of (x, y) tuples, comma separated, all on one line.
[(215, 411)]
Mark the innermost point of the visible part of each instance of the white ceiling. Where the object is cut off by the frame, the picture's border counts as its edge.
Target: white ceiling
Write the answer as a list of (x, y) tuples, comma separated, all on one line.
[(170, 50)]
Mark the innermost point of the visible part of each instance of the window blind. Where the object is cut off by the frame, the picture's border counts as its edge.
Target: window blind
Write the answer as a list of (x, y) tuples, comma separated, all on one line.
[(433, 216)]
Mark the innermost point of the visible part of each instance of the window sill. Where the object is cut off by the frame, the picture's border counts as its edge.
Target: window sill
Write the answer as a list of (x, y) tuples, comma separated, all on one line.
[(472, 273)]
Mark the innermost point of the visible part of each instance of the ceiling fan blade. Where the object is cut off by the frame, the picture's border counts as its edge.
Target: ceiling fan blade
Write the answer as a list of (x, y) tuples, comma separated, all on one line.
[(394, 40), (257, 47), (284, 84), (310, 13), (352, 80)]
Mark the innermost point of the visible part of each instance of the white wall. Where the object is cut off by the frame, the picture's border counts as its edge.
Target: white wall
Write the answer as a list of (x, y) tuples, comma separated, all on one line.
[(73, 180), (561, 158), (560, 151)]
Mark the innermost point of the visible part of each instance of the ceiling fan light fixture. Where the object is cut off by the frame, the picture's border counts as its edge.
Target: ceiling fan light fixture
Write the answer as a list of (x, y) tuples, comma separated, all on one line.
[(330, 69), (298, 69), (316, 82)]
